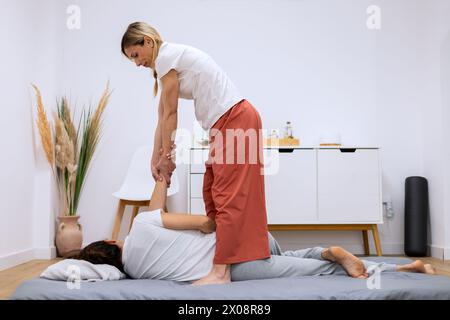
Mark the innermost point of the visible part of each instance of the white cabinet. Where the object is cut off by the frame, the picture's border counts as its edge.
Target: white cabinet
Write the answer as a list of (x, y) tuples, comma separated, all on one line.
[(196, 185), (290, 182), (197, 158), (197, 206), (196, 171), (349, 186), (310, 185)]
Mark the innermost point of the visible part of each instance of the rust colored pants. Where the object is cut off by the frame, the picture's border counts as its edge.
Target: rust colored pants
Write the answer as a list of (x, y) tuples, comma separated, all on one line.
[(233, 186)]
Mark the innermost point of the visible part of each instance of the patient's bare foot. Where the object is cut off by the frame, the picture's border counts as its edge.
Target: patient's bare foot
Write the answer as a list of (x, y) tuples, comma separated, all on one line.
[(220, 274), (351, 264), (417, 266)]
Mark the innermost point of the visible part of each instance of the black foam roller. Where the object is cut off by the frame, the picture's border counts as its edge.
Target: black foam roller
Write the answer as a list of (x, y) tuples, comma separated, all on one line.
[(416, 216)]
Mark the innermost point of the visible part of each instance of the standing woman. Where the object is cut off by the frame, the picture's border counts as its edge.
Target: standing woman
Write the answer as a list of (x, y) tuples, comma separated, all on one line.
[(233, 190)]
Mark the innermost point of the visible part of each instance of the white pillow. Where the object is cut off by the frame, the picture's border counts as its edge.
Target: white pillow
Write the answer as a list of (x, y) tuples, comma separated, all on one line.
[(81, 270)]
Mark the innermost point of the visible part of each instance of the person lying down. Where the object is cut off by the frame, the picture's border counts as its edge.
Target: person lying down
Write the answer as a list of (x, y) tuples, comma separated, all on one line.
[(180, 247)]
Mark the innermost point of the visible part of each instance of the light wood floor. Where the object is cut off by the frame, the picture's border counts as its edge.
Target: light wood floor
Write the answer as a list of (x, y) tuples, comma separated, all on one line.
[(11, 278)]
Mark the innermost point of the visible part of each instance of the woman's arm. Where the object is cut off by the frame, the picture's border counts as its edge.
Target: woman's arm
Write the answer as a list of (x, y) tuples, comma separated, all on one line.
[(158, 131), (183, 221), (157, 143), (169, 96)]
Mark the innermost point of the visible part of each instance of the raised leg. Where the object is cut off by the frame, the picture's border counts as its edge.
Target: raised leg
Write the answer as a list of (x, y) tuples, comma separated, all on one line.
[(366, 242), (376, 238), (118, 220), (133, 215)]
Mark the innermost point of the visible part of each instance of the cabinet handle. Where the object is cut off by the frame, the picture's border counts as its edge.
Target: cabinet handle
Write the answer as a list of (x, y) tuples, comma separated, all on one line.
[(286, 150), (347, 149)]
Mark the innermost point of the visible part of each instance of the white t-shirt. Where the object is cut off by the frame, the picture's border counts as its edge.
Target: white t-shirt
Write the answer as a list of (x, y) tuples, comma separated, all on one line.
[(151, 251), (200, 79)]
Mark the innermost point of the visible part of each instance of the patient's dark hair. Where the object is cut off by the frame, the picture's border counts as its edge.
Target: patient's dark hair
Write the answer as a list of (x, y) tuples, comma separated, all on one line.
[(101, 252)]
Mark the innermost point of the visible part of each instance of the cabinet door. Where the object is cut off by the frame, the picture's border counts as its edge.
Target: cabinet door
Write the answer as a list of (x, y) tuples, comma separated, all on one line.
[(196, 186), (349, 186), (198, 158), (197, 206), (290, 183)]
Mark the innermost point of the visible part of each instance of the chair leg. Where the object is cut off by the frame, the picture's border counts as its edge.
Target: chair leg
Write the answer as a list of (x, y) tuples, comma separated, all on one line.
[(133, 215), (376, 238), (118, 220), (366, 242)]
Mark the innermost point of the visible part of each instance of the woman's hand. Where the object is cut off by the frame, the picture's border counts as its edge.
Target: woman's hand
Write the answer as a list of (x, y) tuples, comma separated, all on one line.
[(153, 163), (166, 164), (165, 168), (208, 226)]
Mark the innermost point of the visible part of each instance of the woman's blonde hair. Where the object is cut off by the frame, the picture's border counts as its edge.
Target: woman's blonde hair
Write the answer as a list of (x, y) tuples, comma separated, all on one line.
[(135, 36)]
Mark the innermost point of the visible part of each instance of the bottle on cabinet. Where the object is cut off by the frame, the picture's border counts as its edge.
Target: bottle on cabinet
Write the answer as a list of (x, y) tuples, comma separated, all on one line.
[(282, 138), (288, 131), (273, 134)]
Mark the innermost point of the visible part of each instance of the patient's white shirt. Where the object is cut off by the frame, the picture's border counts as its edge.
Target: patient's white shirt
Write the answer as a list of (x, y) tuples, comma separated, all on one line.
[(200, 79), (151, 251)]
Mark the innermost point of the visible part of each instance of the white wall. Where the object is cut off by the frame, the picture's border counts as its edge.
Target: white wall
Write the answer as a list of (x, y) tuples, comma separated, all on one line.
[(445, 85), (27, 57), (314, 63), (435, 103)]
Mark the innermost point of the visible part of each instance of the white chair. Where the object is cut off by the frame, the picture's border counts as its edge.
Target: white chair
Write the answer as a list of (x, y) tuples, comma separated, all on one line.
[(137, 188)]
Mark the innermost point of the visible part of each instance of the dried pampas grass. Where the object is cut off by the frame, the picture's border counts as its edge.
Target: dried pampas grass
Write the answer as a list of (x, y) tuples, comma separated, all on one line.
[(44, 128), (64, 146), (65, 115), (65, 152)]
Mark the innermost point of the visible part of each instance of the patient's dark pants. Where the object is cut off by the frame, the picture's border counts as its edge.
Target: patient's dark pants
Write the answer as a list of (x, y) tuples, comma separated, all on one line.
[(288, 264)]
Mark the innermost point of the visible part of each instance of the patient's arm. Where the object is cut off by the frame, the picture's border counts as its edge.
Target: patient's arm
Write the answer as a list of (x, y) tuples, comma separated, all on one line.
[(178, 221), (186, 221), (159, 195)]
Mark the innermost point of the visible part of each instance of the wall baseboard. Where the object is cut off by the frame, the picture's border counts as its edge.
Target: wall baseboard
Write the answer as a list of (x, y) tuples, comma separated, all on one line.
[(436, 252), (46, 253), (16, 258), (447, 253)]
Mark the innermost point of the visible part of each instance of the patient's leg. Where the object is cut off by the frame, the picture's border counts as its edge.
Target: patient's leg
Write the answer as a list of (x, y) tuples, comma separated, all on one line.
[(417, 266), (159, 195), (282, 267), (351, 264), (357, 268), (309, 253)]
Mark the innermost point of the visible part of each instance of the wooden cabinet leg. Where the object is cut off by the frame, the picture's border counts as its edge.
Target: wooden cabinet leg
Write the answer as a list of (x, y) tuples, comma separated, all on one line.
[(118, 220), (366, 242), (376, 238), (133, 215)]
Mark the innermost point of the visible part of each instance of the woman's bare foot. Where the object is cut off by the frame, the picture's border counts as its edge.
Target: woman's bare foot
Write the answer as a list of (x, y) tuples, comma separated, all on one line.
[(417, 266), (211, 279), (351, 264), (219, 274)]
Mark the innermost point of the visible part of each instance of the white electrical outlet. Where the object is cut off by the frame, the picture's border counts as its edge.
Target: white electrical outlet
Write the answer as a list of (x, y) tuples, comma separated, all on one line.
[(389, 209)]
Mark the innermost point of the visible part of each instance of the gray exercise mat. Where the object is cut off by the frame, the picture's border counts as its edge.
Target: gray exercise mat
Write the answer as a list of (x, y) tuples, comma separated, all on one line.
[(392, 285)]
